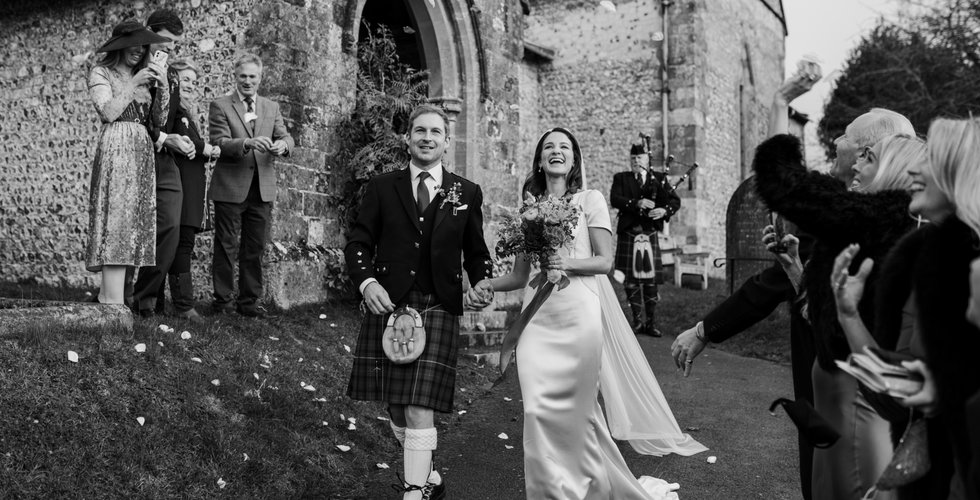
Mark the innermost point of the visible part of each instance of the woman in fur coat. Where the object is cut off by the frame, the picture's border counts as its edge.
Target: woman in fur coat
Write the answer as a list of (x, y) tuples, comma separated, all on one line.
[(930, 270), (824, 207)]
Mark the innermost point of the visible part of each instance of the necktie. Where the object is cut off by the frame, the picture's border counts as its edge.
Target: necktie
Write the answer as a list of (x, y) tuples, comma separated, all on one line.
[(639, 178), (250, 109), (422, 193)]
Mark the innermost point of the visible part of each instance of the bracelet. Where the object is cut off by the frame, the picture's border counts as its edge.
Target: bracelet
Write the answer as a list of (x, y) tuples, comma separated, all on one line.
[(699, 332)]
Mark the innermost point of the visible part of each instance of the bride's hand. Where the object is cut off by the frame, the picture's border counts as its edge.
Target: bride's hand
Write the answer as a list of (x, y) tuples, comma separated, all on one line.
[(555, 262)]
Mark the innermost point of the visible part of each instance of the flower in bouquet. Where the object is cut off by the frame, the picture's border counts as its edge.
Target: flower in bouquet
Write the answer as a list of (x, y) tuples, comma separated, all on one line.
[(541, 227)]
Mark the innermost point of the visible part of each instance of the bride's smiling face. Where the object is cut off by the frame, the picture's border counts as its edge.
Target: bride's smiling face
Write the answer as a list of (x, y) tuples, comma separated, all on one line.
[(557, 155)]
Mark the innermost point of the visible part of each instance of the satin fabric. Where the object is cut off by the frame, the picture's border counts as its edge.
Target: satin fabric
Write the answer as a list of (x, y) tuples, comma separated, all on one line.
[(563, 353)]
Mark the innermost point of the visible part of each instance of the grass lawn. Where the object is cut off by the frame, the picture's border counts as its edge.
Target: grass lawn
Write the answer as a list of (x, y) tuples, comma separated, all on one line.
[(241, 409)]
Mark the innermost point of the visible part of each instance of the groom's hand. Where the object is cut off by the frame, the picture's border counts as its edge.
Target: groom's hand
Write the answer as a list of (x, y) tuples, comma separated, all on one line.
[(479, 295), (376, 299)]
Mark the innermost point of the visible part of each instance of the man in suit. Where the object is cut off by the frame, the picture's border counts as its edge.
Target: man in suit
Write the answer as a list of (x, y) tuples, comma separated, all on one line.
[(645, 201), (250, 131), (169, 194), (404, 251)]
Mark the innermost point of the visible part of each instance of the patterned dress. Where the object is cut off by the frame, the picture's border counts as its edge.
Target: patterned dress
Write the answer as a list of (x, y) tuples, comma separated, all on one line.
[(122, 198)]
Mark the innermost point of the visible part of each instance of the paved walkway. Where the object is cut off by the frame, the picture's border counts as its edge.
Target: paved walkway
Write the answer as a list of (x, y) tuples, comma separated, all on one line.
[(723, 403)]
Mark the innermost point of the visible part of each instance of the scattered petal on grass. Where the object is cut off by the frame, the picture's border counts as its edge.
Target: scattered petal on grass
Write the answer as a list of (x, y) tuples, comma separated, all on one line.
[(343, 447), (693, 429), (256, 375), (325, 424), (141, 420), (462, 389), (186, 335), (320, 400), (712, 459), (346, 347), (163, 328), (509, 447), (160, 343), (266, 366), (383, 419), (352, 420), (310, 388), (323, 316), (352, 427), (221, 483), (508, 399), (502, 435), (317, 349), (244, 457), (197, 360), (140, 347), (382, 465), (462, 412), (88, 294), (342, 417), (73, 356), (333, 325), (273, 338), (215, 382), (300, 360)]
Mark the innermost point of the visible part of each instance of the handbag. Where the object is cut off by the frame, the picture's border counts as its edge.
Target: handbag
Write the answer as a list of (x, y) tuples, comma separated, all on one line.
[(910, 460), (403, 340), (643, 257)]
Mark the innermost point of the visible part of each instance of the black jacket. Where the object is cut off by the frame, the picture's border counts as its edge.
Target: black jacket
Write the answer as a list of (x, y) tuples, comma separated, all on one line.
[(387, 239), (823, 207), (626, 193)]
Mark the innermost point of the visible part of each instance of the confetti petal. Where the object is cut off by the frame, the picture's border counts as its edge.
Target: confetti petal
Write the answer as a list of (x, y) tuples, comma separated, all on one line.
[(273, 338), (712, 459), (163, 328), (244, 457), (462, 412), (256, 375), (140, 347), (197, 360), (383, 419), (320, 400), (343, 447), (141, 420), (508, 399), (333, 325), (346, 347), (186, 335), (323, 316), (73, 356), (352, 420), (502, 436), (160, 343), (325, 424), (382, 465), (222, 483), (509, 447), (310, 388), (352, 427), (215, 382)]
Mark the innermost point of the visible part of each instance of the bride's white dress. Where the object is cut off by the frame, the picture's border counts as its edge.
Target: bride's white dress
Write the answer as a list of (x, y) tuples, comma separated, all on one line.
[(578, 341)]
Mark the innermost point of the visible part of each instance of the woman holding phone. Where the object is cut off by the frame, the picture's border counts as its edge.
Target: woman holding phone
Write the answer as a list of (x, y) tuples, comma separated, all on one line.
[(122, 200)]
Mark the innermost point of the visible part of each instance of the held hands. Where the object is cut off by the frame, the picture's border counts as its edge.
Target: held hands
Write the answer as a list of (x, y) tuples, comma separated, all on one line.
[(479, 295), (926, 399), (180, 144), (685, 348), (848, 289), (376, 299)]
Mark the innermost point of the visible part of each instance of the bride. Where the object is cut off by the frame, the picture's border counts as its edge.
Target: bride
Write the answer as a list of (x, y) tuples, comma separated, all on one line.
[(577, 343)]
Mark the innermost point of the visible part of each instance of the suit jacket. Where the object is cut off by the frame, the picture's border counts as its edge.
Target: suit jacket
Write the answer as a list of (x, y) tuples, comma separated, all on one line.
[(626, 194), (386, 239), (168, 176), (234, 169), (192, 175)]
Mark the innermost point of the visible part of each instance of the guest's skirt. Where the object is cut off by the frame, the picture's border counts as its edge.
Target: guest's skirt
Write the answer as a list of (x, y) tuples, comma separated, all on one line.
[(428, 381)]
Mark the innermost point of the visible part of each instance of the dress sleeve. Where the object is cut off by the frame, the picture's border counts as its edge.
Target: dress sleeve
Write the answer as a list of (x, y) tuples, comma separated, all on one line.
[(596, 210), (108, 105)]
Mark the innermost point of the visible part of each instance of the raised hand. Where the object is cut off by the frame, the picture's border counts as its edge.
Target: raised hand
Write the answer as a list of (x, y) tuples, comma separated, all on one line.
[(848, 289)]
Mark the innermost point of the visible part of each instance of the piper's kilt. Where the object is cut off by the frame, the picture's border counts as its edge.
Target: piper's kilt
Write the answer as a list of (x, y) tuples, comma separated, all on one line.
[(429, 381), (625, 256)]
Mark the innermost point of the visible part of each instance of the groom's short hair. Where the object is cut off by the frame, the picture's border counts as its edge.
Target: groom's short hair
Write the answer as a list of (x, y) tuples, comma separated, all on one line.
[(424, 109)]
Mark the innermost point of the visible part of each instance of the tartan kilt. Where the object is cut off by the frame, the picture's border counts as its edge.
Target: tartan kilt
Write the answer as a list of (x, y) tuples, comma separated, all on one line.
[(624, 255), (429, 381)]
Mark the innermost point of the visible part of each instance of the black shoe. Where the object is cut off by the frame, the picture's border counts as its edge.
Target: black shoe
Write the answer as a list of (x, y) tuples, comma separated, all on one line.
[(223, 308), (147, 313), (429, 491), (652, 331), (255, 312)]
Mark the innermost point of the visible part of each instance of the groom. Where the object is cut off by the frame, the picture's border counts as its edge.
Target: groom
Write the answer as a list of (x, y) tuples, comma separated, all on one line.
[(404, 250)]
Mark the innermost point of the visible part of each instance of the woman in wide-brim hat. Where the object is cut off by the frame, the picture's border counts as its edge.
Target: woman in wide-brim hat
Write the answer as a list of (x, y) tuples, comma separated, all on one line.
[(122, 199)]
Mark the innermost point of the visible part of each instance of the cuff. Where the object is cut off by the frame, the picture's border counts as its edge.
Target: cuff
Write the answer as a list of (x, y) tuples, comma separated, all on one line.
[(365, 283), (160, 140)]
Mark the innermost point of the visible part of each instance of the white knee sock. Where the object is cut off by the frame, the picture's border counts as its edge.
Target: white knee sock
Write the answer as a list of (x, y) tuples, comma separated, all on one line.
[(399, 433), (419, 444)]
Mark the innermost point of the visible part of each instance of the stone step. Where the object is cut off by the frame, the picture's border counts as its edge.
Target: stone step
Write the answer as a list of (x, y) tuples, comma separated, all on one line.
[(482, 339), (483, 320), (486, 356)]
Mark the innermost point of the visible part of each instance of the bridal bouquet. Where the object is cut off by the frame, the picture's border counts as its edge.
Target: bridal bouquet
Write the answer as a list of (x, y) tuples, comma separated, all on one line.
[(540, 228)]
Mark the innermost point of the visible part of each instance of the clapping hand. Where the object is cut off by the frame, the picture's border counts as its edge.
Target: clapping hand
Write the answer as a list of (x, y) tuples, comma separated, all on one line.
[(848, 289), (261, 143), (278, 148)]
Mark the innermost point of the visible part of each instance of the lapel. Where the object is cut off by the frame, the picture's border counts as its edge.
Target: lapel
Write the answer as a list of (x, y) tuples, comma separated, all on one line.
[(240, 109), (403, 186), (447, 182)]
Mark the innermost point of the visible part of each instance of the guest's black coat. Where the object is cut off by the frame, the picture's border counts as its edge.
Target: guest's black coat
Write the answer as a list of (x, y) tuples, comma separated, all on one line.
[(823, 207), (387, 240), (194, 209)]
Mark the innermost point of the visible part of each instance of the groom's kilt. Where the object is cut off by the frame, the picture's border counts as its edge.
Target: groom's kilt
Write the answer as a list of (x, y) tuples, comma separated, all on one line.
[(625, 255), (429, 381)]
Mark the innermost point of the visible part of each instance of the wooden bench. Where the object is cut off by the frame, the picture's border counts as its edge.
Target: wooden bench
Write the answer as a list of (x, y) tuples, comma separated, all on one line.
[(691, 260)]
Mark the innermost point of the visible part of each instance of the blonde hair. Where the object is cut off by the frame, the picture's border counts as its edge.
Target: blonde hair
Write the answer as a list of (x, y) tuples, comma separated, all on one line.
[(896, 154), (183, 64), (954, 160)]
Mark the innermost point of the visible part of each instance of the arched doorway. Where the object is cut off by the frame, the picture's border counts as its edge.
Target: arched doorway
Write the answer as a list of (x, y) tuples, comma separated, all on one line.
[(445, 43)]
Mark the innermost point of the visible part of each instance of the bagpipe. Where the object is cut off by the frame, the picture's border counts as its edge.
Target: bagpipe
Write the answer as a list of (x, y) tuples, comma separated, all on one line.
[(668, 164)]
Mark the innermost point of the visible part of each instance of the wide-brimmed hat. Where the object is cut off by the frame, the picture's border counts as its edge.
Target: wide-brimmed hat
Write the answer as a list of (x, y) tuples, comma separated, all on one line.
[(130, 34)]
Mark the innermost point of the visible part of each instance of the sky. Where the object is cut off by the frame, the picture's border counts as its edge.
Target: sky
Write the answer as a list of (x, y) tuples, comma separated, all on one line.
[(828, 29)]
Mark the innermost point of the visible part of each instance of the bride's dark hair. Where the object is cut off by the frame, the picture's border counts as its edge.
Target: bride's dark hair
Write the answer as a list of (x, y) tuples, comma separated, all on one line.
[(535, 182)]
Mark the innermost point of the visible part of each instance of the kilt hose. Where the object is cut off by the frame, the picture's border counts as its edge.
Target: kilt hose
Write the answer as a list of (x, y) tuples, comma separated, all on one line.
[(625, 255), (429, 381)]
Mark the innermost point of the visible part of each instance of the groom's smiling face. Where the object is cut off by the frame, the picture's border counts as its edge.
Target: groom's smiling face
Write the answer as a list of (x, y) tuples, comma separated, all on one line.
[(427, 140)]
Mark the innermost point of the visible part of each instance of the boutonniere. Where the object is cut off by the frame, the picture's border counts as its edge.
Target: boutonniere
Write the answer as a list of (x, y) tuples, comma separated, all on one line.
[(183, 120), (452, 197)]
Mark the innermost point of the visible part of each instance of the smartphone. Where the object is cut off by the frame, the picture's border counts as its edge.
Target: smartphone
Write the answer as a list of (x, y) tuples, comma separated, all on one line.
[(160, 57), (777, 224)]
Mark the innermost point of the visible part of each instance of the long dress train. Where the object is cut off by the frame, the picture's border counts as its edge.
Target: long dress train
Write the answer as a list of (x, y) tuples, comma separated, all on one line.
[(578, 338)]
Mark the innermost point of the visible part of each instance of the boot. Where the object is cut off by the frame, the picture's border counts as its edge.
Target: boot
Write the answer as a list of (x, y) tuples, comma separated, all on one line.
[(182, 293), (651, 296), (634, 295), (161, 304)]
